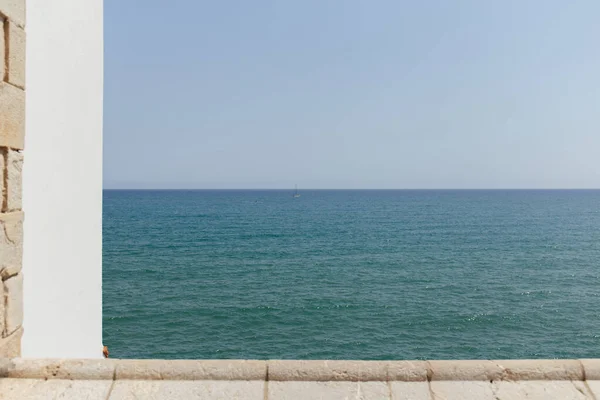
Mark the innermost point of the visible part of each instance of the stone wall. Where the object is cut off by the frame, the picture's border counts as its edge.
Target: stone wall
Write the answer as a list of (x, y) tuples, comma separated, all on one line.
[(296, 379), (12, 134)]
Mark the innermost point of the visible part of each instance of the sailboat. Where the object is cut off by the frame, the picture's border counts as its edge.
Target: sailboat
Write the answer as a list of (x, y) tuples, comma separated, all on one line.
[(296, 194)]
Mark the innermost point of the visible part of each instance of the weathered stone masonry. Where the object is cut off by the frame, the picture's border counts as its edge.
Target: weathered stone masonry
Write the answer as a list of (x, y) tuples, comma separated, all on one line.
[(12, 134)]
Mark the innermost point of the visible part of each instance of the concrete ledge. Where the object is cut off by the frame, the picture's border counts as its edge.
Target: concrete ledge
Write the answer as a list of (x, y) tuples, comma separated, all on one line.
[(60, 369), (591, 369), (464, 370), (532, 370), (408, 371), (319, 371), (506, 370), (303, 370), (234, 370)]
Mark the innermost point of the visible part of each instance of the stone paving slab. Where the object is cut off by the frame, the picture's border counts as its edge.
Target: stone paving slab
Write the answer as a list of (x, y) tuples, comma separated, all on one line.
[(197, 390), (464, 390), (594, 388), (507, 390), (410, 391), (541, 390), (35, 389), (41, 389), (295, 390)]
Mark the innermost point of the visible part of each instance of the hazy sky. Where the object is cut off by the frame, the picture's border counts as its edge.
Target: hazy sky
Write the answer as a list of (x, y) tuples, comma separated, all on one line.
[(352, 94)]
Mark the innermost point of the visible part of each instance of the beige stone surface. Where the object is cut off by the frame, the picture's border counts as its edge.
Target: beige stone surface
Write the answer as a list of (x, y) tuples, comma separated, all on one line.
[(594, 387), (215, 370), (408, 371), (296, 390), (2, 311), (591, 369), (464, 390), (541, 390), (13, 296), (16, 55), (327, 370), (464, 370), (62, 369), (17, 389), (51, 384), (9, 271), (14, 9), (10, 346), (139, 369), (192, 369), (14, 185), (73, 390), (12, 116), (2, 48), (167, 390), (514, 370), (410, 391), (11, 243)]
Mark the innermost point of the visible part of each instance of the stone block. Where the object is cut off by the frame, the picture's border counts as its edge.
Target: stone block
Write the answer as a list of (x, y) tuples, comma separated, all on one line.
[(14, 180), (523, 370), (10, 347), (138, 370), (297, 390), (410, 391), (192, 369), (13, 295), (62, 369), (2, 48), (464, 370), (214, 370), (2, 172), (11, 243), (591, 369), (13, 9), (12, 116), (407, 371), (167, 390), (2, 311), (16, 55), (327, 370)]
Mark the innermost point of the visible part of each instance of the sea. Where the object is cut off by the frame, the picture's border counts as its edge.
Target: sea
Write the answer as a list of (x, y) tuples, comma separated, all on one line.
[(351, 274)]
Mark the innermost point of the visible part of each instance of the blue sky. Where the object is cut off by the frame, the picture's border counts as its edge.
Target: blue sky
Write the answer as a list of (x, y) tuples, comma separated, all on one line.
[(352, 94)]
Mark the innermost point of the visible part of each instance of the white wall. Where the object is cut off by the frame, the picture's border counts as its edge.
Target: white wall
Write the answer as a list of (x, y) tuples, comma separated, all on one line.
[(62, 179)]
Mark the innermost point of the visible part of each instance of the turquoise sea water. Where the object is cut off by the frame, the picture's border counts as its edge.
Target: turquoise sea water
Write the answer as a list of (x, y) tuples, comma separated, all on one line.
[(352, 274)]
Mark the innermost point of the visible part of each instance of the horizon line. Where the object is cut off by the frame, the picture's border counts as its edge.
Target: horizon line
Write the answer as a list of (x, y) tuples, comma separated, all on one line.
[(363, 189)]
